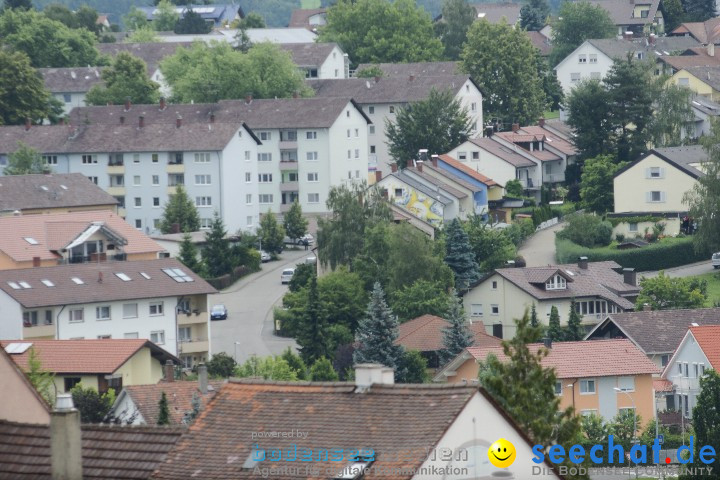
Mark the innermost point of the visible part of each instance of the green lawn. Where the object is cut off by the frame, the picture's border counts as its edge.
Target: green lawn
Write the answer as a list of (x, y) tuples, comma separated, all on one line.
[(713, 288), (306, 4), (550, 113)]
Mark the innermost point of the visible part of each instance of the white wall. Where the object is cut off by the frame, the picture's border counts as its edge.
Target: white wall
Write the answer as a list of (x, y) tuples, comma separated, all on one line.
[(348, 155), (571, 65), (689, 352), (77, 99), (490, 165), (11, 322), (238, 158), (333, 66)]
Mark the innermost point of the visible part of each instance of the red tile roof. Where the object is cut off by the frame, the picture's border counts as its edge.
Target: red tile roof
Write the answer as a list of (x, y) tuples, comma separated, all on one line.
[(179, 396), (84, 356), (708, 338), (597, 358), (467, 170), (660, 385), (425, 334)]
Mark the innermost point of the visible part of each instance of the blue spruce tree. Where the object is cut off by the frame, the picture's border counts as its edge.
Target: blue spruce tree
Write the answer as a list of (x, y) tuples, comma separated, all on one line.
[(460, 257), (456, 336)]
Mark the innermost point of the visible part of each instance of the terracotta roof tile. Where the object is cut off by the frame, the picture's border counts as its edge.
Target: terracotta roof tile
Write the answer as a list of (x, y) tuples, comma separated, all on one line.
[(708, 338), (108, 451), (600, 358), (179, 395), (84, 356), (22, 192), (467, 170), (660, 385), (425, 334)]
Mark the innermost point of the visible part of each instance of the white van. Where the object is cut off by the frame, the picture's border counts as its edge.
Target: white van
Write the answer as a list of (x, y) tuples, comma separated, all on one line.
[(716, 260)]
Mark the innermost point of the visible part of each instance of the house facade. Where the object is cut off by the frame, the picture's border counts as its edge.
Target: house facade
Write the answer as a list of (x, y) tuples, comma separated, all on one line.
[(159, 300), (70, 85), (641, 17), (21, 401), (702, 80), (319, 60), (415, 197)]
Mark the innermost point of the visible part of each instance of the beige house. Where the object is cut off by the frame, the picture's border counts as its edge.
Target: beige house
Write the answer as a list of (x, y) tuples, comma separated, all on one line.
[(655, 185), (507, 293), (20, 401)]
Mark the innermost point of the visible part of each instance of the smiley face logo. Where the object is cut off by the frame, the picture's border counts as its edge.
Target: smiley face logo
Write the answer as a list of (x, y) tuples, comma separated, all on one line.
[(501, 453)]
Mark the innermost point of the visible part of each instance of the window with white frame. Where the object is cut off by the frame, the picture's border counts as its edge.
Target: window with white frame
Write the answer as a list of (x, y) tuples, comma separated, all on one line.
[(136, 180), (312, 177), (248, 177), (629, 411), (89, 159), (626, 384), (392, 109), (349, 154), (702, 369), (372, 129), (313, 198), (372, 148), (557, 282), (587, 387), (582, 58), (249, 220), (348, 133), (102, 312), (685, 82), (203, 157), (265, 198), (462, 156), (311, 135), (655, 172), (155, 158), (50, 159), (184, 334), (264, 157), (158, 337), (632, 227), (473, 107), (248, 155), (371, 109), (93, 180), (130, 310), (131, 335), (686, 370), (696, 371), (357, 132), (248, 199), (138, 201), (265, 135), (558, 388), (494, 309), (138, 223), (575, 77), (593, 58), (494, 284), (357, 153), (202, 179), (156, 201), (156, 309), (655, 196), (203, 201), (156, 180), (311, 156), (595, 75), (136, 158), (265, 177), (476, 310), (205, 223)]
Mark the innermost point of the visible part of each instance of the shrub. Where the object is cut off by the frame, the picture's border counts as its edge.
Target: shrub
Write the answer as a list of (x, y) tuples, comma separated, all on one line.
[(620, 238), (587, 230)]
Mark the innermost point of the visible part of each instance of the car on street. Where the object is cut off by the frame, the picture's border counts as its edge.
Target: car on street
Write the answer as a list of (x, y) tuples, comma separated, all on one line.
[(311, 260), (287, 275), (307, 239), (218, 312), (716, 260), (264, 256)]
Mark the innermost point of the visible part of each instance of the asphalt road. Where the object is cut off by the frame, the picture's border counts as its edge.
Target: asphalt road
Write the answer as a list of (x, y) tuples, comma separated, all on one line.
[(250, 305), (686, 270), (539, 249)]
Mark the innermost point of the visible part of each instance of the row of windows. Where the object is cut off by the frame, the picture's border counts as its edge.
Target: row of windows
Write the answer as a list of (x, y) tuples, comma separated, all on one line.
[(103, 312), (582, 58), (698, 369), (118, 158), (119, 180), (265, 198), (476, 309), (575, 77), (287, 135), (589, 386)]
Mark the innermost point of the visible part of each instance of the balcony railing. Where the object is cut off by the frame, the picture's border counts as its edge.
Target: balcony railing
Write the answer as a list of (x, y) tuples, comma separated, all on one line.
[(288, 165), (554, 177), (95, 258), (289, 186)]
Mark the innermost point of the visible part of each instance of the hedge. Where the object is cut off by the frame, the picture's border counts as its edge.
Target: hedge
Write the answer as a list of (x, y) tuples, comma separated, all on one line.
[(224, 281), (668, 253), (545, 212)]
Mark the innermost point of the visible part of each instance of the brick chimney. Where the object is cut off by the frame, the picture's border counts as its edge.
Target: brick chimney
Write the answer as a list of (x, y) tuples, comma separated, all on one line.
[(122, 119), (411, 78), (169, 371), (378, 175), (100, 277), (127, 104), (629, 276), (541, 122), (65, 440), (28, 124), (647, 307), (583, 263), (162, 103), (212, 117), (141, 121), (178, 122), (627, 35), (434, 160), (419, 165), (248, 98), (515, 127), (394, 167), (202, 378), (36, 262), (369, 374)]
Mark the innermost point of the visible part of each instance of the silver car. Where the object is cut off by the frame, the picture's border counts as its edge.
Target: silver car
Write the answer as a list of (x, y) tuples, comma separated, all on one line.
[(287, 275)]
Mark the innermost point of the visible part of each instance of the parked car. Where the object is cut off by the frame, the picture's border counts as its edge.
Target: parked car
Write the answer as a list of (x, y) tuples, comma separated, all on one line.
[(716, 260), (287, 275), (264, 256), (307, 239), (218, 312), (311, 260)]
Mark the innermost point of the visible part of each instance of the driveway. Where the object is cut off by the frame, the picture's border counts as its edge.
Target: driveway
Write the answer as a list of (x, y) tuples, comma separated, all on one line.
[(685, 271), (539, 249), (250, 304)]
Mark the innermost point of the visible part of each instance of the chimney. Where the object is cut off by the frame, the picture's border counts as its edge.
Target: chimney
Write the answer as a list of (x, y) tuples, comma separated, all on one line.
[(378, 175), (434, 160), (510, 263), (127, 103), (547, 342), (162, 103), (178, 121), (393, 167), (169, 371), (541, 122), (369, 374), (646, 307), (65, 440), (628, 35), (296, 94), (629, 276), (141, 121), (711, 49), (411, 78), (652, 39), (583, 263), (248, 98), (377, 79), (100, 277), (212, 117), (419, 165), (515, 127), (202, 378), (27, 124), (36, 262), (423, 154), (122, 119)]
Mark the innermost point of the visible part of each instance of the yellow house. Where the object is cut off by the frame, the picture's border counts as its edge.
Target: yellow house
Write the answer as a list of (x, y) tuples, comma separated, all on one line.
[(703, 80), (602, 377), (100, 364)]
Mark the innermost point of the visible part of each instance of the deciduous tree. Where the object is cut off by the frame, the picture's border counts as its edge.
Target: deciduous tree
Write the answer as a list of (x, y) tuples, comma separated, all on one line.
[(492, 247), (596, 183), (437, 124), (180, 211), (579, 21), (125, 78), (323, 371), (698, 10), (667, 293), (673, 116), (22, 93), (414, 366), (457, 335), (143, 35), (43, 380), (534, 14), (589, 116), (165, 17), (422, 297), (460, 257), (24, 161), (706, 418), (271, 233), (18, 4), (269, 368), (703, 200), (457, 16), (135, 19), (294, 222), (221, 365), (93, 406)]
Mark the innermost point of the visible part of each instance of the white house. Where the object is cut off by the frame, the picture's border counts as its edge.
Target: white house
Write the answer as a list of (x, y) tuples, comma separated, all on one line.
[(69, 85), (319, 60), (159, 300)]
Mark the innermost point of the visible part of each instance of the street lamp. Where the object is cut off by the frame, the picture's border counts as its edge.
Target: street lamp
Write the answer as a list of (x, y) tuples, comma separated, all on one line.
[(634, 409), (236, 355)]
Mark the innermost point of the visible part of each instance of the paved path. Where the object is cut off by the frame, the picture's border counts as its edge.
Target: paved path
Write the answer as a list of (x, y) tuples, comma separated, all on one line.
[(250, 305), (686, 270), (539, 250)]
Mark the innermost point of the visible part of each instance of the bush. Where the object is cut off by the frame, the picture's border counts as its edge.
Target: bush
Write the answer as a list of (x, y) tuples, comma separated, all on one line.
[(620, 238), (587, 230), (519, 231), (545, 212), (667, 253)]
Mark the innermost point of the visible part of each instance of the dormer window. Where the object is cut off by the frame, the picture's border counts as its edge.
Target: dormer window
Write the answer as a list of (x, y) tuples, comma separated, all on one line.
[(557, 282)]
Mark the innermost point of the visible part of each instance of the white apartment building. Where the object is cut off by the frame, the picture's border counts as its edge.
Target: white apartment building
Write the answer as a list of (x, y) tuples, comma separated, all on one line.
[(159, 300)]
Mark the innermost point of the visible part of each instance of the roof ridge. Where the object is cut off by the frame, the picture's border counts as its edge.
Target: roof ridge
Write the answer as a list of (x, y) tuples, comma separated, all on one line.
[(430, 319)]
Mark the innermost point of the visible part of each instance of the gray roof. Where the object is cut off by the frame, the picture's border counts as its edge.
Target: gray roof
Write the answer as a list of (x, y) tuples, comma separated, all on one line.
[(258, 114), (494, 12), (281, 35), (417, 69), (621, 11), (215, 12), (387, 89), (407, 179), (300, 18), (70, 80), (439, 184), (309, 54), (27, 192), (619, 48), (657, 331), (706, 106), (451, 176), (681, 157), (709, 75), (66, 292), (151, 53), (502, 152)]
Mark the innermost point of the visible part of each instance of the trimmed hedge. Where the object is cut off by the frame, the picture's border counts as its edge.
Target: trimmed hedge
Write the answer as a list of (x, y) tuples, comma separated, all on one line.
[(668, 253), (224, 281)]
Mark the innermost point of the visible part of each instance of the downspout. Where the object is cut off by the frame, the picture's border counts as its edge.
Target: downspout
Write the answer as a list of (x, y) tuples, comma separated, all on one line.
[(177, 327), (573, 393), (57, 322)]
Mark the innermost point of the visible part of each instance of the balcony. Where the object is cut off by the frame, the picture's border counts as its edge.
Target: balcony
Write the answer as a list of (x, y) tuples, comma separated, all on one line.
[(116, 168), (289, 187), (553, 177), (175, 167), (528, 184), (194, 346), (116, 191), (288, 165), (285, 207), (192, 317), (288, 144), (39, 331)]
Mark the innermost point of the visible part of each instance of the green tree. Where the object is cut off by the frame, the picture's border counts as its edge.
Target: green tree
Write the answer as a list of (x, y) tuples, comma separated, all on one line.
[(93, 406), (163, 410), (703, 200), (698, 10), (457, 335), (575, 329), (190, 256), (514, 189), (86, 17), (192, 23), (438, 123), (552, 89), (377, 333), (18, 5), (143, 35), (526, 389), (165, 17), (61, 13), (377, 31), (268, 368), (422, 297), (596, 183), (457, 16), (41, 379), (216, 254), (554, 330), (252, 20), (492, 247), (507, 74), (296, 363), (534, 15), (301, 278), (587, 230), (135, 19), (588, 115), (125, 78), (271, 233), (323, 371), (46, 42), (533, 317), (342, 298), (673, 115), (460, 257), (22, 93), (312, 337), (370, 72), (577, 22), (414, 366), (294, 222), (25, 160), (672, 11), (667, 293), (706, 417), (221, 365), (180, 212)]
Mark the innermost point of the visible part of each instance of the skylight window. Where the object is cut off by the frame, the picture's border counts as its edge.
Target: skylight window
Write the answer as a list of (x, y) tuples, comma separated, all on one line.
[(14, 285), (63, 187), (145, 275), (25, 285), (122, 277), (31, 240), (178, 275), (47, 283), (78, 281), (352, 471), (17, 348), (44, 187)]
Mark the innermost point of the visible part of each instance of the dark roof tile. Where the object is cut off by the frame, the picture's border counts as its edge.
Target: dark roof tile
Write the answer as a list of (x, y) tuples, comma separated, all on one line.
[(64, 190)]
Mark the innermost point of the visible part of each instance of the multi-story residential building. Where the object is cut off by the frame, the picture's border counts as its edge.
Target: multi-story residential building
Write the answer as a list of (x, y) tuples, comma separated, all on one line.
[(306, 146), (639, 17), (55, 193), (69, 85), (79, 237), (159, 300), (140, 163), (382, 98), (507, 293), (319, 60), (603, 377)]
